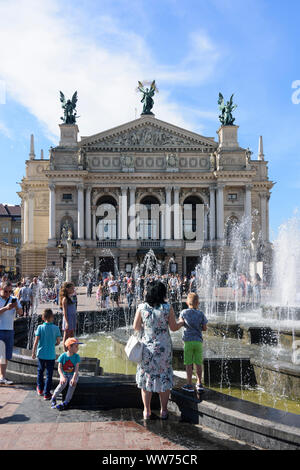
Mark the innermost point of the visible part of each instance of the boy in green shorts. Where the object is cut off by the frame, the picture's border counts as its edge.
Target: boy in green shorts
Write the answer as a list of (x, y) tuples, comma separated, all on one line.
[(194, 323)]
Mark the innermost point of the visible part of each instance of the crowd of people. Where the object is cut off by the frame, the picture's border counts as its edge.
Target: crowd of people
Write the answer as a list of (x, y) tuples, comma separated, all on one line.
[(246, 288), (112, 291), (115, 291), (28, 294)]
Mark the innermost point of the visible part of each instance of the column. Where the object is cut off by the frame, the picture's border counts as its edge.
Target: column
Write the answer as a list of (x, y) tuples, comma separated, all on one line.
[(88, 213), (212, 212), (52, 211), (162, 221), (30, 216), (69, 260), (132, 213), (220, 211), (119, 210), (263, 213), (205, 223), (124, 228), (177, 225), (80, 212), (168, 214), (248, 188), (25, 218), (94, 208)]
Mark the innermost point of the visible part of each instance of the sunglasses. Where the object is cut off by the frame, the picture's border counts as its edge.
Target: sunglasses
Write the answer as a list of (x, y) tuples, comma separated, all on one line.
[(7, 291)]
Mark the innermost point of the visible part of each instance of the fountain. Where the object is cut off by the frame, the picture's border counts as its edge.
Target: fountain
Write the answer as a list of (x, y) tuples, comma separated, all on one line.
[(252, 341), (33, 319), (87, 273), (235, 356), (284, 304)]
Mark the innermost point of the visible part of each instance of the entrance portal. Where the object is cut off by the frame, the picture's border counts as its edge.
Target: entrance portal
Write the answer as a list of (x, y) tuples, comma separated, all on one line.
[(191, 263), (106, 265)]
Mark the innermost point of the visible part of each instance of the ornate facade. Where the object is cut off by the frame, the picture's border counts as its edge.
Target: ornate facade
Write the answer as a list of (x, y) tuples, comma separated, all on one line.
[(145, 184)]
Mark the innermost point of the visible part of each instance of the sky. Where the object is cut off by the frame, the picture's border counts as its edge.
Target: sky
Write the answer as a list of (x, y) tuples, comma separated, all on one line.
[(193, 49)]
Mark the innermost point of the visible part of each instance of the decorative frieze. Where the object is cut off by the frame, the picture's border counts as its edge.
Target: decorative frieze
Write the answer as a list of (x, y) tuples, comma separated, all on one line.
[(135, 162)]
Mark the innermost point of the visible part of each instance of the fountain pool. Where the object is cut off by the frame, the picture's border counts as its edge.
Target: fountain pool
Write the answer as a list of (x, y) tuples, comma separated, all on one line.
[(248, 352), (113, 361)]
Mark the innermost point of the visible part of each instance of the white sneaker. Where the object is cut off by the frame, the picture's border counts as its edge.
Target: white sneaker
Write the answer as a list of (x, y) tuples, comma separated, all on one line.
[(5, 382)]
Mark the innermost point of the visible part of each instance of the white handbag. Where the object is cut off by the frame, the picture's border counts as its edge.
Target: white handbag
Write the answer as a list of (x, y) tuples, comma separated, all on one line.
[(134, 348)]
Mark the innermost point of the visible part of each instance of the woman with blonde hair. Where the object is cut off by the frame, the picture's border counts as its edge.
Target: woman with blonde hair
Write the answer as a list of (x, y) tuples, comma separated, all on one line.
[(68, 306)]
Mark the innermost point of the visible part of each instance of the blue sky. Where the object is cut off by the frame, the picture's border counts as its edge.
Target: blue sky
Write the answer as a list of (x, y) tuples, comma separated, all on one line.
[(193, 49)]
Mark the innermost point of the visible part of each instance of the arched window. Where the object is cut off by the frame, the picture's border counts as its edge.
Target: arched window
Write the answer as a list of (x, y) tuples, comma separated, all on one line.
[(149, 218), (106, 218), (193, 208)]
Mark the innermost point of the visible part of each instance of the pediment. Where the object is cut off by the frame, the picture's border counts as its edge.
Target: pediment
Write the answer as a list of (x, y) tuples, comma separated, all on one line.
[(147, 132)]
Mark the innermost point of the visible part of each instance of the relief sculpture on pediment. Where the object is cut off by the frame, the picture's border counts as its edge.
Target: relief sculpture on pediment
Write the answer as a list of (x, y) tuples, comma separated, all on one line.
[(144, 137)]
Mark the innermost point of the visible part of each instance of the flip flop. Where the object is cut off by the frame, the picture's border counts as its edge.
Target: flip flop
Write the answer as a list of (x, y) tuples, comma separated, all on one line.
[(188, 388)]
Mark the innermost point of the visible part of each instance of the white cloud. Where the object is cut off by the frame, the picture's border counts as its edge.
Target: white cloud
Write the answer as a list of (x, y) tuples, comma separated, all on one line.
[(46, 52), (4, 130)]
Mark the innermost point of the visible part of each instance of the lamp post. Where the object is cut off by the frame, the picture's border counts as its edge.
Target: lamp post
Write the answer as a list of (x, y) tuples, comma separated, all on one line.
[(69, 254), (253, 254), (69, 258)]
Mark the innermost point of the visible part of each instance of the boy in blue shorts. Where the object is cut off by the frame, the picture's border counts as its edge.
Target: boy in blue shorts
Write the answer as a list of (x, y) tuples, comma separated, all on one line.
[(194, 323), (68, 367), (47, 336)]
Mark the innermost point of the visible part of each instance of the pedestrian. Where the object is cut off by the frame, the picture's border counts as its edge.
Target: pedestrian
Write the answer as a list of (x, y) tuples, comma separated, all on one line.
[(56, 291), (130, 292), (141, 288), (25, 298), (249, 291), (154, 373), (68, 305), (257, 288), (192, 284), (113, 291), (9, 306), (17, 289), (105, 294), (194, 323), (68, 368), (47, 336), (35, 291), (99, 295), (89, 288)]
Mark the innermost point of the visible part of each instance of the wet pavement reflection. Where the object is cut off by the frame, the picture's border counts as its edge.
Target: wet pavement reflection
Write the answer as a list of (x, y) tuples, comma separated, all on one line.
[(111, 429)]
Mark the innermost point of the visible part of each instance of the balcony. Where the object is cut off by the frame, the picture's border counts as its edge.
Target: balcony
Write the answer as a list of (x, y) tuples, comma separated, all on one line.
[(151, 243), (106, 243)]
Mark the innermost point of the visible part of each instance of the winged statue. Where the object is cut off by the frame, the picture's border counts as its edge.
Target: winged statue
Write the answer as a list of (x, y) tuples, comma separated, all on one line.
[(226, 117), (148, 94), (69, 108)]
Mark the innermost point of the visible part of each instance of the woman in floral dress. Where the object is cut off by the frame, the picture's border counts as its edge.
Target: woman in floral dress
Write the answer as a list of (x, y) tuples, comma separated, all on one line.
[(154, 318)]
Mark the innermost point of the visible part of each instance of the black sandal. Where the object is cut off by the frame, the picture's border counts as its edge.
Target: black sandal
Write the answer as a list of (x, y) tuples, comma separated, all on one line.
[(164, 415)]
